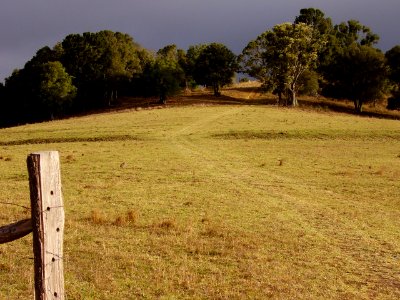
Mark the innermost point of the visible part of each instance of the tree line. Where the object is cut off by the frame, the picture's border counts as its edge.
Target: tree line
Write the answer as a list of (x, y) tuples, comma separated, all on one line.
[(311, 55)]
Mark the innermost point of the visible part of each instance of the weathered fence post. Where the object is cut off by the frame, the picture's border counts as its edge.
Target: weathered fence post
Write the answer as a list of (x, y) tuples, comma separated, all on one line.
[(47, 224)]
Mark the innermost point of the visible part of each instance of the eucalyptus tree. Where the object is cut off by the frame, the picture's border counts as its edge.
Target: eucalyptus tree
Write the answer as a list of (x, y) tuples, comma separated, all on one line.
[(4, 104), (215, 66), (55, 89), (100, 62), (360, 74), (167, 75), (278, 57), (188, 63), (322, 28), (45, 55), (40, 90), (353, 31), (120, 61), (349, 50), (393, 62), (22, 88), (316, 19)]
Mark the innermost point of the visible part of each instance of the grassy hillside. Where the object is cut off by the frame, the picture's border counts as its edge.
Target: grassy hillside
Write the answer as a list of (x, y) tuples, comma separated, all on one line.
[(215, 202)]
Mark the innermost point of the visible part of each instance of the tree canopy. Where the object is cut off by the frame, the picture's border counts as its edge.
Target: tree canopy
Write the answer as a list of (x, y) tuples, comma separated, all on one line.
[(101, 62), (215, 66), (316, 19), (359, 75), (278, 57), (55, 89), (393, 62), (353, 31), (165, 75)]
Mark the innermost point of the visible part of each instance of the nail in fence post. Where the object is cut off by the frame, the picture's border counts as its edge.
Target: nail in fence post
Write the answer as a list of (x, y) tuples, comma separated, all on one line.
[(47, 223)]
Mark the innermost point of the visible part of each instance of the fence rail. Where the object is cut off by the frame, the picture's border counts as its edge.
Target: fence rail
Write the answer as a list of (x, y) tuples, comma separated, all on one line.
[(15, 231)]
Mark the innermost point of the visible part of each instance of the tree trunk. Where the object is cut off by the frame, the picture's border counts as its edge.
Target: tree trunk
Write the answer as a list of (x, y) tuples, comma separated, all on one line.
[(110, 98), (358, 105), (293, 99), (216, 90), (293, 95), (279, 97), (163, 99)]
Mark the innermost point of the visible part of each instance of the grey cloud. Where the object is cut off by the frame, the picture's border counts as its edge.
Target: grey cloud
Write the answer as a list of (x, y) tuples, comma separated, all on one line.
[(29, 25)]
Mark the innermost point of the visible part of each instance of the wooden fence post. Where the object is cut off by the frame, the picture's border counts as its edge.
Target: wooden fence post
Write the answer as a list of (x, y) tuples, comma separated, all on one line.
[(47, 224)]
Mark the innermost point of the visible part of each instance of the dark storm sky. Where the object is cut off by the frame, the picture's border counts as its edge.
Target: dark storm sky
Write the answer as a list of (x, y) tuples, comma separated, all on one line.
[(27, 25)]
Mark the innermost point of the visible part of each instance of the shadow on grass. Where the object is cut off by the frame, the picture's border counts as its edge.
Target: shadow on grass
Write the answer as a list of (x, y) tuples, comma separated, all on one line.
[(301, 134), (268, 99), (69, 140), (205, 97), (340, 107)]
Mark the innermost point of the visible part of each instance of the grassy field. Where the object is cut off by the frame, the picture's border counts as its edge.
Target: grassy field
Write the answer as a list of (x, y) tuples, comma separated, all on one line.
[(214, 202)]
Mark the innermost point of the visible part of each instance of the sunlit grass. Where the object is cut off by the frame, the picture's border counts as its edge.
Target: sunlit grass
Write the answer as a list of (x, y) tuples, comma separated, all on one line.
[(215, 202)]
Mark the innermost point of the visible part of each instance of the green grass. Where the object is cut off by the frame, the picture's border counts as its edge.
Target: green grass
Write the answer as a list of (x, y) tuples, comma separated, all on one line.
[(215, 202)]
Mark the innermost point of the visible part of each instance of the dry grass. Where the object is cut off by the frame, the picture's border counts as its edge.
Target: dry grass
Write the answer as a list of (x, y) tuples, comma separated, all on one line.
[(215, 202), (97, 217)]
